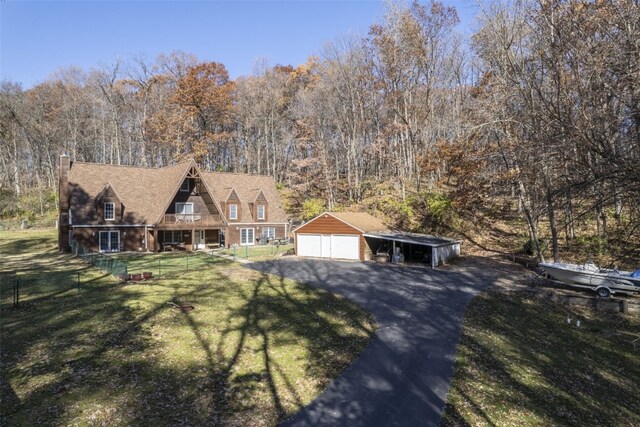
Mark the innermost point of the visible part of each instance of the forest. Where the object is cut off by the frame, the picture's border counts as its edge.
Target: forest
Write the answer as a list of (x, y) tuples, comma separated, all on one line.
[(532, 121)]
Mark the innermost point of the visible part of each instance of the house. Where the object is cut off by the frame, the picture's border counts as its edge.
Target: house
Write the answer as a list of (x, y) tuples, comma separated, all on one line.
[(111, 208), (360, 236)]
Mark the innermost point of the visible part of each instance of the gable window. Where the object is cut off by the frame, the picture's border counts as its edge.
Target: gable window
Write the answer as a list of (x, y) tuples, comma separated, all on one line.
[(185, 185), (246, 236), (269, 232), (109, 211), (184, 208), (184, 212), (261, 211), (233, 211)]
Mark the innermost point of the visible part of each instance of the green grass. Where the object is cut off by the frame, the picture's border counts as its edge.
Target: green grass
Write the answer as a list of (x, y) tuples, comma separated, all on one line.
[(165, 264), (254, 351), (520, 363), (257, 252)]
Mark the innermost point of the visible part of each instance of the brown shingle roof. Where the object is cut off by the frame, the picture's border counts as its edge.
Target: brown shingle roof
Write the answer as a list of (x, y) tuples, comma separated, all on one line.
[(360, 220), (146, 192), (247, 188)]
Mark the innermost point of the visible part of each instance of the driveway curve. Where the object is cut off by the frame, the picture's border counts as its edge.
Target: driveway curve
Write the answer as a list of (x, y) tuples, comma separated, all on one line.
[(402, 377)]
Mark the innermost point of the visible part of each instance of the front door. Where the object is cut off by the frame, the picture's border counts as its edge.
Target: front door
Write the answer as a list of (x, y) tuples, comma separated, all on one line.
[(199, 240), (109, 241)]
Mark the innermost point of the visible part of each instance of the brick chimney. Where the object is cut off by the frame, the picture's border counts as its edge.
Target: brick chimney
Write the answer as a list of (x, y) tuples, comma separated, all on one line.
[(63, 191)]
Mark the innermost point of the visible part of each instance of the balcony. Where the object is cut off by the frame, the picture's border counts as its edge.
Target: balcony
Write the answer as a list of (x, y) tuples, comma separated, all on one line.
[(191, 220)]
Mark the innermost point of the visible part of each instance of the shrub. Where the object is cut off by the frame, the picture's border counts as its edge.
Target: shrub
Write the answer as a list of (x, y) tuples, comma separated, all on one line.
[(312, 208), (529, 247)]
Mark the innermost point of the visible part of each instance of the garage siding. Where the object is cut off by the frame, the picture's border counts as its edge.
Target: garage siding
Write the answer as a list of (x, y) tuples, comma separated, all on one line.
[(327, 225)]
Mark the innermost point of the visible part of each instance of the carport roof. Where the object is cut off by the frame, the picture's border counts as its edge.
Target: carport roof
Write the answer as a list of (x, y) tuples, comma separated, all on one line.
[(414, 238)]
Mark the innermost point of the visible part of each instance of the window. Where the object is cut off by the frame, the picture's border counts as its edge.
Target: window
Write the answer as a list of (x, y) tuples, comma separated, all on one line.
[(109, 211), (246, 236), (269, 232), (184, 208), (185, 186), (233, 211), (261, 211), (109, 241), (172, 236)]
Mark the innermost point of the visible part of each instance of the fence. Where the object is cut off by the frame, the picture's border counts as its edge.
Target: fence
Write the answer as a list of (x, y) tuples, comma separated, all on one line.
[(162, 265), (18, 287), (106, 263), (256, 252)]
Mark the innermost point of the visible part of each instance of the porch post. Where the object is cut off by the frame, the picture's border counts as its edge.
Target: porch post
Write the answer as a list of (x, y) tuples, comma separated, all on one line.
[(155, 240), (193, 240)]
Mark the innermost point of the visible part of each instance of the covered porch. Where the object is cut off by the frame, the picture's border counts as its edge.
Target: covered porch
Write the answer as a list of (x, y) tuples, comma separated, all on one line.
[(175, 237)]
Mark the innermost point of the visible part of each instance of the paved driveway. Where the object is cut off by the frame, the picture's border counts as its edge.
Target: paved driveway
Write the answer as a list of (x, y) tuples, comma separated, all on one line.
[(403, 376)]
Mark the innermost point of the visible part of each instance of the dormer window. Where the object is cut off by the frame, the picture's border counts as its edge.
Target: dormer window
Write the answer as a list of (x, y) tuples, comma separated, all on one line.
[(109, 211), (185, 186), (261, 212), (233, 211)]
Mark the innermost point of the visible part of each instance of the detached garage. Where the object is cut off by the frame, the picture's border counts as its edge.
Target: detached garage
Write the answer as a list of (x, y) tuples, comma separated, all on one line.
[(360, 236), (338, 235)]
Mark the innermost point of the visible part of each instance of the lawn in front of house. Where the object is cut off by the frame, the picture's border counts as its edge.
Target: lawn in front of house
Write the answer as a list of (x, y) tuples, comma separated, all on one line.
[(519, 362), (257, 252), (254, 350)]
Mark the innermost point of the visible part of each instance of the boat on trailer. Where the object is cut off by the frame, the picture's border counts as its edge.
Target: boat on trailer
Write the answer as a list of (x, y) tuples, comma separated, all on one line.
[(589, 276)]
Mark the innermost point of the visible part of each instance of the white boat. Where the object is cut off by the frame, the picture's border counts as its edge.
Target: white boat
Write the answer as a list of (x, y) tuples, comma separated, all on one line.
[(588, 276)]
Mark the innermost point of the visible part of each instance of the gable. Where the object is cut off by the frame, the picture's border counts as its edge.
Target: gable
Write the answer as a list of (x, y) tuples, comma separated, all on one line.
[(233, 196), (327, 224), (247, 189)]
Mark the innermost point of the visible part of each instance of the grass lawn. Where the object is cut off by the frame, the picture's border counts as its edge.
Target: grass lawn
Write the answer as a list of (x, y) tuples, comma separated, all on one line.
[(520, 363), (257, 252), (255, 349)]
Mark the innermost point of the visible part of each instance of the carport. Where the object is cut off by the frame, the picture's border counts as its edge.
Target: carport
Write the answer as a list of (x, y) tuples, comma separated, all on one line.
[(433, 250)]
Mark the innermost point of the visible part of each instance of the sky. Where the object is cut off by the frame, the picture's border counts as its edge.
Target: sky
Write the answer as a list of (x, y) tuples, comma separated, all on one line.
[(39, 37)]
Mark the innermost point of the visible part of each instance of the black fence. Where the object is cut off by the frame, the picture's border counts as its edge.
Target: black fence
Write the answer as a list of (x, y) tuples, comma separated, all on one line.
[(106, 263)]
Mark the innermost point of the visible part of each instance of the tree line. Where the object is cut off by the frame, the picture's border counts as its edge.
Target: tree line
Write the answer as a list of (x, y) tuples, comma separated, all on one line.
[(540, 106)]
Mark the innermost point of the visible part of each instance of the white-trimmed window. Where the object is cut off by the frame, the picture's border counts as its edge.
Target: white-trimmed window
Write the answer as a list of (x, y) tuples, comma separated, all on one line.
[(109, 241), (109, 211), (185, 186), (233, 211), (269, 232), (262, 211), (247, 237), (184, 208)]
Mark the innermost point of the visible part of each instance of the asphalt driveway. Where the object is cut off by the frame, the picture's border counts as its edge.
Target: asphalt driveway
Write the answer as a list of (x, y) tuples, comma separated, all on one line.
[(402, 377)]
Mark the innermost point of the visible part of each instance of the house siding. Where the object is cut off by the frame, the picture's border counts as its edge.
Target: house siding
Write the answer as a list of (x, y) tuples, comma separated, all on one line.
[(232, 233), (131, 238), (199, 205)]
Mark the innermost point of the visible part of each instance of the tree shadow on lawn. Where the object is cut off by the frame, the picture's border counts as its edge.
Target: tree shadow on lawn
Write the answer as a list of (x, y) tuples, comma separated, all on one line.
[(550, 373), (97, 355), (13, 246)]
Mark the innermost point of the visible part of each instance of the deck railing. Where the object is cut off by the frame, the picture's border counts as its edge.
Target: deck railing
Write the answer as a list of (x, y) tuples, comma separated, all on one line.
[(203, 219)]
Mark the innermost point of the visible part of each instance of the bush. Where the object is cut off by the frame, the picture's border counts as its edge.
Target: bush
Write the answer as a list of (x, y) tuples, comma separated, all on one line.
[(529, 247), (312, 208), (402, 212), (440, 207)]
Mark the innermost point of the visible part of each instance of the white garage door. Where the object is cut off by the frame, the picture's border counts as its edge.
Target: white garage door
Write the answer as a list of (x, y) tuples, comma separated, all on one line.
[(309, 245), (345, 246)]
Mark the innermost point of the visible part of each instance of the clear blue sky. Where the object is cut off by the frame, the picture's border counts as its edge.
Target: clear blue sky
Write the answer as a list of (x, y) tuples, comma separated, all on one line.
[(37, 38)]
